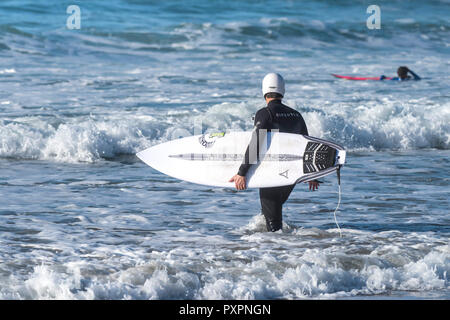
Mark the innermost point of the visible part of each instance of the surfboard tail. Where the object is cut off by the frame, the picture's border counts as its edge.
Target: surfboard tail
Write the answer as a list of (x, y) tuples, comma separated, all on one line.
[(321, 158)]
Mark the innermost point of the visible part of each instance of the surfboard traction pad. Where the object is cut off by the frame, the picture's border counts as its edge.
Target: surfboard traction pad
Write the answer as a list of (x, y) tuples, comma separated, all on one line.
[(318, 157)]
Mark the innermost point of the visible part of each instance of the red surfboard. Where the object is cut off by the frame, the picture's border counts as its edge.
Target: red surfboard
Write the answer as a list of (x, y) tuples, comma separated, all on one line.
[(359, 78)]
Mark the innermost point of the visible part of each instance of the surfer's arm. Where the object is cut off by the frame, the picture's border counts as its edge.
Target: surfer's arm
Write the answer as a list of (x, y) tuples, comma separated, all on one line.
[(239, 178), (416, 77), (252, 157)]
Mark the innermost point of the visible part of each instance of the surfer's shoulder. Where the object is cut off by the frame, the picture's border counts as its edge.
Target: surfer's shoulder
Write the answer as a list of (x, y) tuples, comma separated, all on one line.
[(262, 115), (289, 109), (261, 112)]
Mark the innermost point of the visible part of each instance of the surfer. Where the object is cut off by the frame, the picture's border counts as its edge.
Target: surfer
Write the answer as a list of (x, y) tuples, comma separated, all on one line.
[(276, 116), (402, 73)]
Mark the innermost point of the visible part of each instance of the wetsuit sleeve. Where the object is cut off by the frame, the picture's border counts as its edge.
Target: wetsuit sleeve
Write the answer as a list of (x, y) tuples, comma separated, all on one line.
[(416, 77), (261, 122)]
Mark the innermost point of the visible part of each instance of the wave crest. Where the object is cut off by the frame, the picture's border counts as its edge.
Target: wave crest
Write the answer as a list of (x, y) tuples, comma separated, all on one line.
[(374, 126)]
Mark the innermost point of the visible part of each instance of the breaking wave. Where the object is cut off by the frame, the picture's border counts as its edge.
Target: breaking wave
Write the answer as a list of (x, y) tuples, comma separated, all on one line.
[(370, 127)]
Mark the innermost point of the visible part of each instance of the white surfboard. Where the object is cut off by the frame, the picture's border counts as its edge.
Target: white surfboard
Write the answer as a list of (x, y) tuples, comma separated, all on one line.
[(212, 159)]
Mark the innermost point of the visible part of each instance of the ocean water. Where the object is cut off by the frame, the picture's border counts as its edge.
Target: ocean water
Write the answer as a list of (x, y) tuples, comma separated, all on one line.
[(82, 218)]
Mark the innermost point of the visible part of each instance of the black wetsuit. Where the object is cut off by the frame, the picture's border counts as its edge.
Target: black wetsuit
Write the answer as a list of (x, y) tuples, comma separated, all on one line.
[(275, 116), (414, 77)]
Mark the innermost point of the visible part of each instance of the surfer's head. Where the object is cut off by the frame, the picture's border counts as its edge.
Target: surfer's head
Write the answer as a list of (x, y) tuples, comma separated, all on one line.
[(273, 96), (402, 72), (273, 86)]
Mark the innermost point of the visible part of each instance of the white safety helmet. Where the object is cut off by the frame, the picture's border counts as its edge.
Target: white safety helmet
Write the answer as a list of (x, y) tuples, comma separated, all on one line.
[(273, 82)]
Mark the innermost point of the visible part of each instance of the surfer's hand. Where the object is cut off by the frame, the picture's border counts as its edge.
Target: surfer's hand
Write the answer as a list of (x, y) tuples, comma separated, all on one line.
[(313, 185), (239, 181)]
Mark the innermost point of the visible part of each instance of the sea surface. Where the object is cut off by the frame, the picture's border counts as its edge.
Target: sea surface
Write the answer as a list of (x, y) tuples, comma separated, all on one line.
[(82, 218)]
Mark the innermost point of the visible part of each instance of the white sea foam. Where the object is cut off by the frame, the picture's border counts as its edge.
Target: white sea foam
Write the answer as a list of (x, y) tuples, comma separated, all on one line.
[(6, 71), (379, 125), (85, 141)]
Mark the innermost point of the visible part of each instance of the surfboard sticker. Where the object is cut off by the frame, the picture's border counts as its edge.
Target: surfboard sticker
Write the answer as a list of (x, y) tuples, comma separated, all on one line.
[(359, 78), (217, 135)]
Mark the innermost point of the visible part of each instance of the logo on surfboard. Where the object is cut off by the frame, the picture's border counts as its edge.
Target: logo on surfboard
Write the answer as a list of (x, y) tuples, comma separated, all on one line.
[(284, 174), (209, 141)]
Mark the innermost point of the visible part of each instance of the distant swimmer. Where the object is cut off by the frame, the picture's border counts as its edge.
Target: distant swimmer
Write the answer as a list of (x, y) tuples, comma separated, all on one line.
[(275, 116), (402, 73)]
